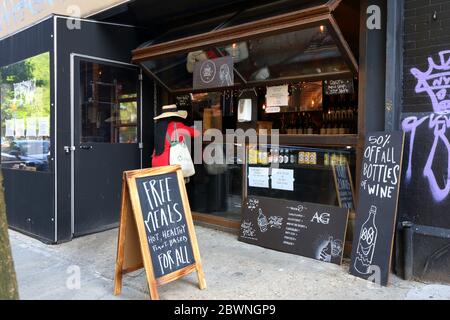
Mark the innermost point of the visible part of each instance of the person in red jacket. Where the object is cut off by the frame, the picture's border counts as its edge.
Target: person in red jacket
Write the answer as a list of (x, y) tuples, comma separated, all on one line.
[(166, 125)]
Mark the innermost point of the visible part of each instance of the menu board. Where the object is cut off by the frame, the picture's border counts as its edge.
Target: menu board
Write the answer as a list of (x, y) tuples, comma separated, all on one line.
[(344, 186), (165, 223), (306, 229), (336, 87), (377, 208)]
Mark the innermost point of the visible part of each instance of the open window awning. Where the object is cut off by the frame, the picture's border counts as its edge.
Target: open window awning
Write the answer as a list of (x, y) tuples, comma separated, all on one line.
[(275, 43)]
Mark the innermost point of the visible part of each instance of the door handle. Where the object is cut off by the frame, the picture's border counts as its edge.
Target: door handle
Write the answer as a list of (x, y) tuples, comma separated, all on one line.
[(85, 147), (68, 149)]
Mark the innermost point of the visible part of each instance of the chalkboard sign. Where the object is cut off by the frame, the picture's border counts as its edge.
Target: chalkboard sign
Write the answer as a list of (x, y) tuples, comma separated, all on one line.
[(214, 73), (336, 87), (183, 101), (377, 207), (156, 219), (344, 186), (306, 229)]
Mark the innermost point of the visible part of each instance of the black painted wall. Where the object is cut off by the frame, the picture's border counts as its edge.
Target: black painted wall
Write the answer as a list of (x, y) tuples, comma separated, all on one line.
[(29, 196), (426, 33)]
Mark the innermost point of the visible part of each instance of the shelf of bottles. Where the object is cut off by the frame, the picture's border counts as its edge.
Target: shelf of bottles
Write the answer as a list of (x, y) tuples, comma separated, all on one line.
[(298, 156), (337, 116)]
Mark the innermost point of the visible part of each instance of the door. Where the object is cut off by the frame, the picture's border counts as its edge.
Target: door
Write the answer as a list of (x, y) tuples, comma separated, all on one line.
[(106, 136)]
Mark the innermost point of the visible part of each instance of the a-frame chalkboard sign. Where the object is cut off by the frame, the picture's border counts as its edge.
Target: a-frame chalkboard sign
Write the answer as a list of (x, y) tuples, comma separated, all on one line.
[(156, 229)]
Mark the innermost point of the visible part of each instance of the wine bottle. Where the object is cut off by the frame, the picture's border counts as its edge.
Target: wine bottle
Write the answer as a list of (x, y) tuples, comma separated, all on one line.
[(262, 221), (323, 128), (310, 129), (286, 156)]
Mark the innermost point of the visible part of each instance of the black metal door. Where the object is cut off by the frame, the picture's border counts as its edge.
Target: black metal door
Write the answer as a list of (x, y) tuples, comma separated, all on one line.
[(106, 135)]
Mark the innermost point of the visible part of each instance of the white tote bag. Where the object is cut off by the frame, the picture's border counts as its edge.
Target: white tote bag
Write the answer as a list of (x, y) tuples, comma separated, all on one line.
[(179, 155)]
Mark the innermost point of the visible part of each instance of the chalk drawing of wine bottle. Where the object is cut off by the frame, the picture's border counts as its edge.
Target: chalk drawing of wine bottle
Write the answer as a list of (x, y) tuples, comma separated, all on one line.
[(326, 252), (367, 243), (262, 221)]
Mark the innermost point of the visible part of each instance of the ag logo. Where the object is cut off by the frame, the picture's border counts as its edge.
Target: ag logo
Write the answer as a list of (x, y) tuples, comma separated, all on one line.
[(207, 71), (323, 218)]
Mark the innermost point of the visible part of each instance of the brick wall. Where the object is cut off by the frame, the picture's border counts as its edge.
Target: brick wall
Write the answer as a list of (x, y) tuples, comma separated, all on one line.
[(423, 37)]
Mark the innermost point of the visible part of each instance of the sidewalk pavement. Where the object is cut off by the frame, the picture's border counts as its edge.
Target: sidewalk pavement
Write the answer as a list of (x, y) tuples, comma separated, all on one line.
[(233, 270)]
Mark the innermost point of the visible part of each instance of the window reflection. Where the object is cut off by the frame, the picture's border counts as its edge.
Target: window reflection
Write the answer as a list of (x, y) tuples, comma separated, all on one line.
[(109, 103), (25, 114)]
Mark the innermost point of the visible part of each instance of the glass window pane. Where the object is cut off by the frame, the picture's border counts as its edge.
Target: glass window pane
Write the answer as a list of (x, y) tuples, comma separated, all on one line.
[(25, 114), (307, 53), (216, 189), (109, 103)]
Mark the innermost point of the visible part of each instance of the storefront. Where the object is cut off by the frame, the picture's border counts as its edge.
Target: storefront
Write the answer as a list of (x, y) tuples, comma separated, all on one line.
[(295, 70), (321, 73)]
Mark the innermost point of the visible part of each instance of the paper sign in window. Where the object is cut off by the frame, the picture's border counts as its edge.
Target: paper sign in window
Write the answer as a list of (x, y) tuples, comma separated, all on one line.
[(44, 127), (277, 96), (283, 179), (258, 177), (31, 127), (20, 127), (9, 132)]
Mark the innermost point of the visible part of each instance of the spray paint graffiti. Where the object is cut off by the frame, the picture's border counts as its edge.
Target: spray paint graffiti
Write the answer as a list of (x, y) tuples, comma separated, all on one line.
[(435, 82)]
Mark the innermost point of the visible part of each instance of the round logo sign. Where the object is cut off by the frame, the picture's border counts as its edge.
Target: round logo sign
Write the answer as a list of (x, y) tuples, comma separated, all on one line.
[(207, 71)]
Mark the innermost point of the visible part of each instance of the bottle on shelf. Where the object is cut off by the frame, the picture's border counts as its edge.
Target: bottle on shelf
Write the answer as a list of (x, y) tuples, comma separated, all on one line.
[(310, 129), (329, 123), (326, 159), (299, 124), (323, 128), (252, 155), (275, 155), (307, 155), (313, 158), (301, 157), (335, 129), (286, 156), (292, 158), (281, 156)]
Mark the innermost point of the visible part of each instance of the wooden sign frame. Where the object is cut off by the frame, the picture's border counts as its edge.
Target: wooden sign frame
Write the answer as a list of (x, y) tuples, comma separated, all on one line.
[(133, 252), (336, 184)]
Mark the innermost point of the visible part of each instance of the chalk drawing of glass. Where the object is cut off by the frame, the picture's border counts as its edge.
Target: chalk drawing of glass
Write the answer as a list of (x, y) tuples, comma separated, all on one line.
[(327, 251), (262, 221), (367, 243)]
